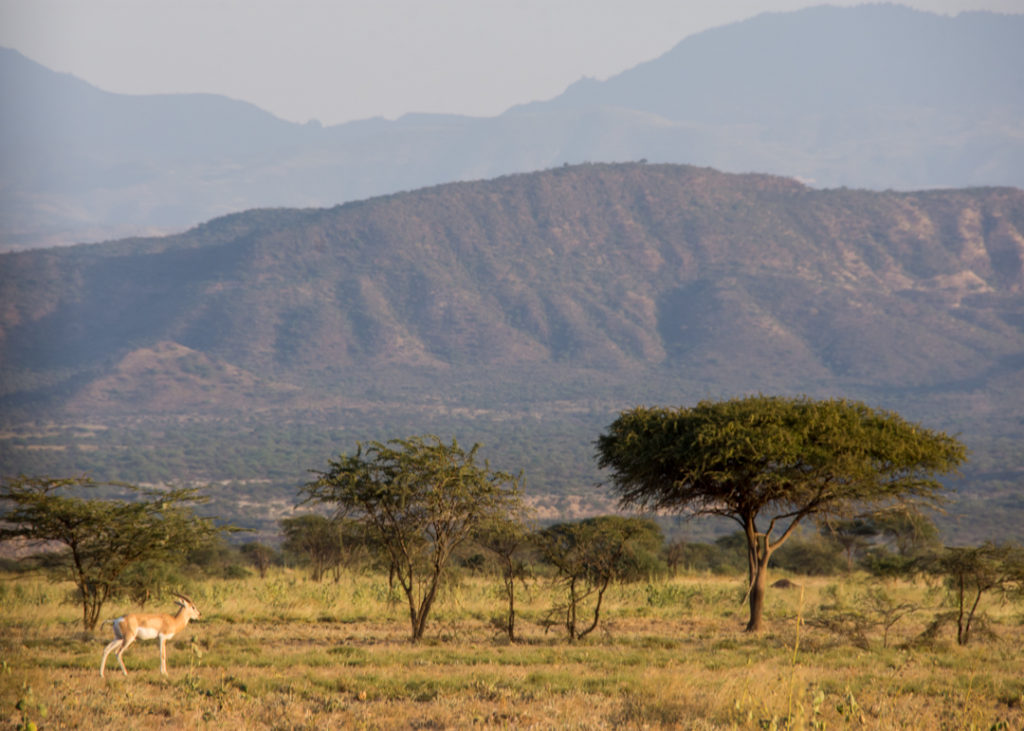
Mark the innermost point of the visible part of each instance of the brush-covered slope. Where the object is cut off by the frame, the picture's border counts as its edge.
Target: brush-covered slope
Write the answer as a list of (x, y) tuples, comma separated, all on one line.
[(746, 282)]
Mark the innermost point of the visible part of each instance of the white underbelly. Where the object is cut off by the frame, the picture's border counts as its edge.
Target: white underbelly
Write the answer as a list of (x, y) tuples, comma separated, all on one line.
[(146, 633)]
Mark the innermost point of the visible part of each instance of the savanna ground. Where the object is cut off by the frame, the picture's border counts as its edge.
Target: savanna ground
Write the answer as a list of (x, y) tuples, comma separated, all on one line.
[(287, 653)]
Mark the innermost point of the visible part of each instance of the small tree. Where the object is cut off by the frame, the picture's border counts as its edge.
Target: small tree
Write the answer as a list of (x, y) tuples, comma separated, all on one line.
[(969, 573), (150, 578), (888, 610), (718, 557), (853, 535), (769, 463), (260, 555), (103, 539), (912, 533), (319, 540), (811, 555), (590, 554), (420, 499), (852, 617), (506, 538)]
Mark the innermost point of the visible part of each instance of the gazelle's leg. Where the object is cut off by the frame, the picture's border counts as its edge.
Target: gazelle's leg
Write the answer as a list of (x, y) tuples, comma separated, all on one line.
[(126, 643), (109, 648), (163, 655)]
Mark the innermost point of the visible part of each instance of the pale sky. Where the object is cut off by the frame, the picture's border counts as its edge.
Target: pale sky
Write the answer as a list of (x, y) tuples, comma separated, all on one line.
[(340, 60)]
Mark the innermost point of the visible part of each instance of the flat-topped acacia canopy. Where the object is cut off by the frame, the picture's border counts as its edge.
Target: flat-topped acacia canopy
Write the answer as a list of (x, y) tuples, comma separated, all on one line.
[(774, 459)]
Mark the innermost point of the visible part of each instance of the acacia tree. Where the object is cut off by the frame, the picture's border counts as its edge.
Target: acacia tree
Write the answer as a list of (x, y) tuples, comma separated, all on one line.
[(506, 539), (104, 538), (589, 554), (260, 554), (325, 543), (419, 499), (770, 462), (910, 532), (853, 535), (972, 572)]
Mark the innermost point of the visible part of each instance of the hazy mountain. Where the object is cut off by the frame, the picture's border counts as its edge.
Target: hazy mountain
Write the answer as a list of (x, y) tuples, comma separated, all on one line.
[(824, 61), (872, 96)]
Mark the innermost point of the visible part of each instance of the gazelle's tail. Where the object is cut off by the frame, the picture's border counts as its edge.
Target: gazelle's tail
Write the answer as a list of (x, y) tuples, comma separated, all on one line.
[(115, 623)]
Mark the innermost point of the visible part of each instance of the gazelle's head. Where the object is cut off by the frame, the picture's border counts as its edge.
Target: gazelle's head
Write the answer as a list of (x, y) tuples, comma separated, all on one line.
[(187, 606)]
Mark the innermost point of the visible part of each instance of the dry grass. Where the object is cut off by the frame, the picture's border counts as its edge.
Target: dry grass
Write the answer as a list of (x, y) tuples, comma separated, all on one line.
[(285, 653)]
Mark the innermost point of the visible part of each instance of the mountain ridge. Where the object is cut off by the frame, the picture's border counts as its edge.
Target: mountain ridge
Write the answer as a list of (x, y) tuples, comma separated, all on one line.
[(589, 264), (899, 38), (937, 108)]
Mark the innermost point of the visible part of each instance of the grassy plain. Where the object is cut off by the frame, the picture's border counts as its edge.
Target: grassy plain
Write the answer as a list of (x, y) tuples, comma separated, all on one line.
[(287, 653)]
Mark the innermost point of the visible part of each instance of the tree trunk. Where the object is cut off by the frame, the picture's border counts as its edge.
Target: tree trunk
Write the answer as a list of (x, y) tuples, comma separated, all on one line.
[(93, 597), (965, 633), (757, 572), (757, 590), (570, 611), (410, 597), (961, 598), (420, 613), (421, 618), (510, 590), (418, 626), (597, 610), (92, 614)]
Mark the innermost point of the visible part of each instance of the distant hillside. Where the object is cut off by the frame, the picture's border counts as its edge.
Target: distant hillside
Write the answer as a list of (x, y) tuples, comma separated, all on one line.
[(745, 281), (876, 96), (526, 309)]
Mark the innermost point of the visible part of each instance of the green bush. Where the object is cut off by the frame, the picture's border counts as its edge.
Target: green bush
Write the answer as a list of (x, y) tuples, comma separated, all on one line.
[(811, 557)]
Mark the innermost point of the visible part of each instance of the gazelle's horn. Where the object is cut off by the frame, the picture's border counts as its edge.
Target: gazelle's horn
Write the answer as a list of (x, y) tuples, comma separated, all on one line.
[(184, 598)]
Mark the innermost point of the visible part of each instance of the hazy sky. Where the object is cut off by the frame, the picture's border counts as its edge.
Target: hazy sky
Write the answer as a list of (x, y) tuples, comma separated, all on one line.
[(339, 60)]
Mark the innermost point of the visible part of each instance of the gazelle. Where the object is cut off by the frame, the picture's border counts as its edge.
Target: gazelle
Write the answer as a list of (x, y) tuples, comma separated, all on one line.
[(137, 626)]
